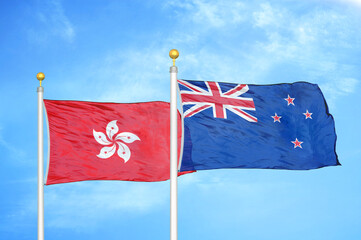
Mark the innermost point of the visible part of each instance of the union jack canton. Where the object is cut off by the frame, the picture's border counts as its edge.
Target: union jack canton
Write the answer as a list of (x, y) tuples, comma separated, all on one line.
[(212, 96)]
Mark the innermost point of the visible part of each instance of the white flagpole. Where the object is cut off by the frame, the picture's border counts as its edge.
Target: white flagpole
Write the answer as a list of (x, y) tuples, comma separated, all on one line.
[(40, 76), (173, 148)]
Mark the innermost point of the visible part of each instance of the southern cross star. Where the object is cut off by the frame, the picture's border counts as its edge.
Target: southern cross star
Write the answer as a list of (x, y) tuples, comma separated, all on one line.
[(276, 118), (297, 143), (307, 114), (289, 100)]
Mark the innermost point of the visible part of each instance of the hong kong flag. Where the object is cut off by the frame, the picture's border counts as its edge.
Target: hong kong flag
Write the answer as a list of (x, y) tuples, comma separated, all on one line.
[(108, 141)]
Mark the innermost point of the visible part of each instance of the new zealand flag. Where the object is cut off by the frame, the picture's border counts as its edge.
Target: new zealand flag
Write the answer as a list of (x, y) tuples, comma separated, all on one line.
[(281, 126)]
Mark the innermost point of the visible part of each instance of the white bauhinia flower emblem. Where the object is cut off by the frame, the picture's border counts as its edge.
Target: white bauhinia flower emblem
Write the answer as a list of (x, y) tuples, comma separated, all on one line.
[(109, 150)]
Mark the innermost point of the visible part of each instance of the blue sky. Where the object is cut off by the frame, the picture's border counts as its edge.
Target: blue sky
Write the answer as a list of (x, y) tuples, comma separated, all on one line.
[(118, 51)]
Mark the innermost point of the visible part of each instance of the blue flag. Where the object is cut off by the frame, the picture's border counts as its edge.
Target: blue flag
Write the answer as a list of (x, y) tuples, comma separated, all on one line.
[(280, 126)]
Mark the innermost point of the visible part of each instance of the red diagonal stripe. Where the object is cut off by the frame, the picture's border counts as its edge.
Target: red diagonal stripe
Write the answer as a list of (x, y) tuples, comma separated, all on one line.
[(246, 114), (238, 88), (197, 110), (188, 85)]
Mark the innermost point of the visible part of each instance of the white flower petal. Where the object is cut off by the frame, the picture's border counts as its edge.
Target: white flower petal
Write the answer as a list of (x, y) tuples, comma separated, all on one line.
[(123, 151), (101, 138), (112, 129), (127, 137), (107, 152)]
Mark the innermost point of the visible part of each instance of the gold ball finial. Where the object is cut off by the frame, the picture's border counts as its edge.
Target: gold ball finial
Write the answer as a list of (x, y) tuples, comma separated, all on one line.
[(173, 54), (40, 76)]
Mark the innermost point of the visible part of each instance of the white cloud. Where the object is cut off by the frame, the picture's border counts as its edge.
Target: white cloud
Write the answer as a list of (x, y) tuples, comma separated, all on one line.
[(123, 75), (279, 36), (291, 38), (13, 150), (53, 22), (83, 206), (356, 3), (348, 85), (211, 13), (134, 76), (338, 87), (220, 183), (313, 44), (86, 204), (266, 16)]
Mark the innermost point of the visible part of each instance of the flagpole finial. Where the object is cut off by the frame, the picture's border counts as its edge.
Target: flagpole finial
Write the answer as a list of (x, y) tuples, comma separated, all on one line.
[(173, 54), (40, 76)]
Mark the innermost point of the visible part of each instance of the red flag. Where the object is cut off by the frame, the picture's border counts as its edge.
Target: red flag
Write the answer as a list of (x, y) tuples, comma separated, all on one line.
[(108, 141)]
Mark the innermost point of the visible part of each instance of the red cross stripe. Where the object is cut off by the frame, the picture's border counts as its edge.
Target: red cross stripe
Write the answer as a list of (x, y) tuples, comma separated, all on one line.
[(214, 98)]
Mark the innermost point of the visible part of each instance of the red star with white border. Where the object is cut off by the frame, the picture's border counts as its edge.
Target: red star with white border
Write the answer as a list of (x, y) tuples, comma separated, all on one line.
[(307, 114), (276, 118), (297, 143), (289, 100)]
